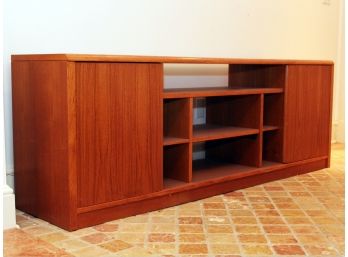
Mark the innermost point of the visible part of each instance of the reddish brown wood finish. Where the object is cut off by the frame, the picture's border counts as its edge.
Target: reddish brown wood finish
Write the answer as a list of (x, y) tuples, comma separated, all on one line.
[(176, 118), (96, 140), (119, 128), (307, 112), (209, 132), (217, 91), (190, 192), (42, 103), (256, 76), (177, 163), (155, 59), (273, 119)]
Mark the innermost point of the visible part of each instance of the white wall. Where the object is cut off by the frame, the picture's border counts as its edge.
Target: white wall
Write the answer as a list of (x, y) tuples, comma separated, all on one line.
[(291, 29)]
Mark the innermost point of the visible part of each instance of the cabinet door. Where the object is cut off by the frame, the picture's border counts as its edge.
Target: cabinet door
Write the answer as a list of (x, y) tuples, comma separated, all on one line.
[(119, 131), (307, 112)]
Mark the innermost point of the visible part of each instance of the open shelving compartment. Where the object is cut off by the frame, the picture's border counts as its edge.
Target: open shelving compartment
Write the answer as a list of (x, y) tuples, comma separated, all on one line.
[(272, 146), (243, 129), (225, 157)]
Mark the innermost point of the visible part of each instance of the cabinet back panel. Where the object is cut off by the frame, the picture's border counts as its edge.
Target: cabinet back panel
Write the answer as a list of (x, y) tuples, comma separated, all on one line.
[(119, 131)]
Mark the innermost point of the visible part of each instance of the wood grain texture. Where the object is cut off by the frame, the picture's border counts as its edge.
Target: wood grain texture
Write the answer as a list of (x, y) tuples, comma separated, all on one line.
[(207, 132), (157, 59), (177, 163), (217, 91), (176, 118), (119, 128), (41, 106), (307, 112), (256, 76), (194, 191), (273, 120)]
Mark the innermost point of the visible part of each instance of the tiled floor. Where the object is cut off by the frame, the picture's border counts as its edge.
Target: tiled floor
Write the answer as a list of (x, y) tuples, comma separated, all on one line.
[(302, 215)]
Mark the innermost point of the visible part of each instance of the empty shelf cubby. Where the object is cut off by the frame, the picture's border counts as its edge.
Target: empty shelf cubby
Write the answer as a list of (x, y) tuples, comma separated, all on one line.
[(256, 76), (230, 116), (225, 157), (176, 164), (176, 117)]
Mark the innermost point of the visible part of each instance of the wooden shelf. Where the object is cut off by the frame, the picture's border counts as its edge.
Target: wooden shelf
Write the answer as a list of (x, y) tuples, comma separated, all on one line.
[(174, 141), (269, 128), (217, 91), (208, 169), (208, 132)]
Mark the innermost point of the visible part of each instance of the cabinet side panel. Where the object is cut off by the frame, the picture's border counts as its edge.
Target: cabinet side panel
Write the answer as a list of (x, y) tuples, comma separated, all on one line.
[(40, 137), (307, 112), (119, 128)]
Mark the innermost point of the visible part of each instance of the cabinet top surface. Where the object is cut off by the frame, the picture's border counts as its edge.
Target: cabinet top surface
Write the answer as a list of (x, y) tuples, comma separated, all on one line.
[(157, 59)]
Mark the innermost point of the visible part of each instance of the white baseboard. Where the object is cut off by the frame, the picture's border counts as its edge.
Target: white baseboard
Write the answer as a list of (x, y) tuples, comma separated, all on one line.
[(9, 210)]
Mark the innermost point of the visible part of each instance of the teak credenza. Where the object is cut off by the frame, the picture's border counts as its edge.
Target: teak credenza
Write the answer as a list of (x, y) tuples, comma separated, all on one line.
[(96, 137)]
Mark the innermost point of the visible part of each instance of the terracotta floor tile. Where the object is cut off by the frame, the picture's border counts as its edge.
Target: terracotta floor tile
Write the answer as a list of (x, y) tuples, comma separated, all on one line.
[(241, 213), (96, 238), (311, 239), (219, 220), (71, 244), (262, 206), (214, 205), (221, 238), (288, 250), (304, 229), (161, 227), (258, 250), (219, 229), (191, 228), (282, 239), (266, 213), (165, 249), (224, 248), (191, 238), (53, 237), (245, 229), (190, 220), (244, 220), (271, 220), (215, 212), (106, 227), (252, 238), (298, 220), (320, 250), (163, 219), (189, 212), (18, 243), (115, 245), (161, 237), (132, 238), (276, 229), (193, 249), (39, 230), (133, 227), (292, 213)]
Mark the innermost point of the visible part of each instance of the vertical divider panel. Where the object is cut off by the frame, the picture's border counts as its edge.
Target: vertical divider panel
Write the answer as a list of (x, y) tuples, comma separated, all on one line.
[(260, 137), (190, 137)]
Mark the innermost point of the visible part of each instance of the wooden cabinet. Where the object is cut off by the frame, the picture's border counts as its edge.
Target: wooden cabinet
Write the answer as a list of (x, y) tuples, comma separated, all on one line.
[(98, 137)]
